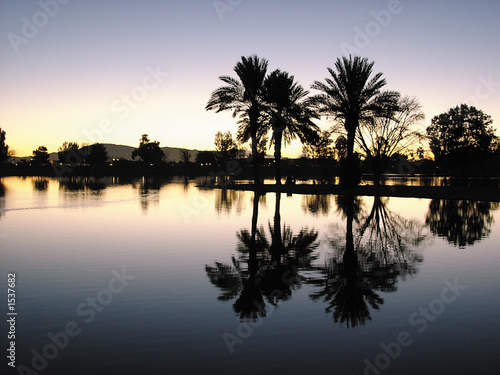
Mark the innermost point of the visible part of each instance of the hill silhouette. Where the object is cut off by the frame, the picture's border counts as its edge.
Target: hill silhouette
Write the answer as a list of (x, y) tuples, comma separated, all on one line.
[(125, 152)]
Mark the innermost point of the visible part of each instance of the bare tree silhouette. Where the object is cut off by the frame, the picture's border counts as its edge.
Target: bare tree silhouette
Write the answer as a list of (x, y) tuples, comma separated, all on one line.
[(390, 134)]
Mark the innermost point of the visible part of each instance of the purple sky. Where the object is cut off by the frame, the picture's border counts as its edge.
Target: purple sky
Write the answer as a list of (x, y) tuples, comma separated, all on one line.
[(110, 71)]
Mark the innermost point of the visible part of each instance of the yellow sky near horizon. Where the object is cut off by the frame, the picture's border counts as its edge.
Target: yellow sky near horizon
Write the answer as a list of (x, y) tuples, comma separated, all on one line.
[(90, 76)]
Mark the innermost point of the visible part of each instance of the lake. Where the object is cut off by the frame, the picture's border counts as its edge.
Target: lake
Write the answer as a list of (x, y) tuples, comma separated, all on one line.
[(147, 276)]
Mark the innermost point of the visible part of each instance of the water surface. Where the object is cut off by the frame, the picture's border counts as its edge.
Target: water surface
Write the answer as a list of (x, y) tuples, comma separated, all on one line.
[(224, 281)]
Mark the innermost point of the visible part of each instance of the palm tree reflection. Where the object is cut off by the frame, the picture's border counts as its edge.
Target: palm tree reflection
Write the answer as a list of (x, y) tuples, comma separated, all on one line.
[(316, 204), (264, 270), (375, 250), (462, 223)]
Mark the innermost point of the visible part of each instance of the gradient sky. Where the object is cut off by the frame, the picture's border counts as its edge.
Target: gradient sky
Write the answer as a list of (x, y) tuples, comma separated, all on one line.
[(73, 76)]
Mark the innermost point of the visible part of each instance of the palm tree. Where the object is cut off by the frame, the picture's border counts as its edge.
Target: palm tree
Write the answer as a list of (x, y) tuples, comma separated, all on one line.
[(350, 96), (264, 269), (377, 248), (345, 284), (244, 98), (289, 115)]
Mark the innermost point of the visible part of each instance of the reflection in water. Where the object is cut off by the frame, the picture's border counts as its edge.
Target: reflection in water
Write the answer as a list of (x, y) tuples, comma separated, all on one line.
[(367, 259), (388, 240), (462, 222), (225, 199), (75, 184), (149, 191), (376, 248), (264, 270), (96, 185), (316, 204), (72, 184), (40, 184), (78, 190), (148, 187)]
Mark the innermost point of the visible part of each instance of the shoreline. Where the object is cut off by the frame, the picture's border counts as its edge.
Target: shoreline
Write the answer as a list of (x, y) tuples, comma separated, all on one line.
[(426, 192)]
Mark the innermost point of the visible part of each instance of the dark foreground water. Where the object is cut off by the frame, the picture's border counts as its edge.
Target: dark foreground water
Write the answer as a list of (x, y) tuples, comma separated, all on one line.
[(143, 277)]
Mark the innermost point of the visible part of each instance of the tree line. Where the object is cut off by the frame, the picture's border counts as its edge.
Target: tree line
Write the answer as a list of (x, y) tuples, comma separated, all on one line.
[(372, 128), (371, 124)]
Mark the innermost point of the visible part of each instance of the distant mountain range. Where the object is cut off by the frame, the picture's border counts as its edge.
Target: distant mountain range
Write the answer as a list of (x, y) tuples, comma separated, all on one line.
[(125, 152)]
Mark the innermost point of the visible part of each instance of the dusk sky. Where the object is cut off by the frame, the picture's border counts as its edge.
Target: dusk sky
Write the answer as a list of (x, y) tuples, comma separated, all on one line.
[(110, 71)]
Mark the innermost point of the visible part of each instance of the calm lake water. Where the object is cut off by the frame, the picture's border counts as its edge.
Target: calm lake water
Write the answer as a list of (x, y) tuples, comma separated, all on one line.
[(146, 277)]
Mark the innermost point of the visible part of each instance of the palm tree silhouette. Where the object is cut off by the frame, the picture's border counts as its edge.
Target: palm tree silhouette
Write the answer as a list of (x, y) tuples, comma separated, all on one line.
[(350, 96), (290, 116), (240, 279), (244, 98), (264, 270), (376, 249)]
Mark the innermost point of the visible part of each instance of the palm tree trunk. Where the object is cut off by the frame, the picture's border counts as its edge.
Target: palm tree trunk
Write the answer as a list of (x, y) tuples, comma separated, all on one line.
[(277, 155), (350, 257), (252, 263), (255, 159), (255, 215), (350, 170), (277, 243)]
